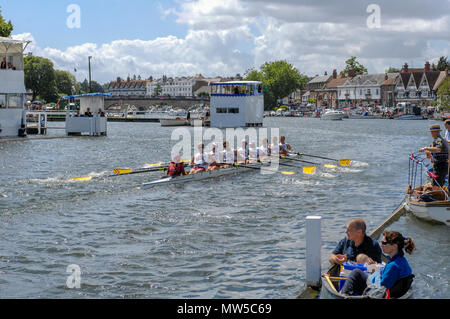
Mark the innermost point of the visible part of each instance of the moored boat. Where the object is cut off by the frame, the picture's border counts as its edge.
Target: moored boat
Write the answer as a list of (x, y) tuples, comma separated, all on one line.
[(334, 115), (437, 211), (174, 122)]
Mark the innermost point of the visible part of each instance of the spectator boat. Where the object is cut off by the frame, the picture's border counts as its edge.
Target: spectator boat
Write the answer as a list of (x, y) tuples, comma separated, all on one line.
[(330, 286), (437, 211)]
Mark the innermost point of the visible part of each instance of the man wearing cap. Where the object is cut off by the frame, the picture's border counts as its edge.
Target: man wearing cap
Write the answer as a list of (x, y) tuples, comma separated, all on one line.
[(439, 155)]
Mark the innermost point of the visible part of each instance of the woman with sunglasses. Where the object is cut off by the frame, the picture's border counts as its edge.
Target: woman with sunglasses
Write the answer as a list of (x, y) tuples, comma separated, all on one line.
[(397, 274)]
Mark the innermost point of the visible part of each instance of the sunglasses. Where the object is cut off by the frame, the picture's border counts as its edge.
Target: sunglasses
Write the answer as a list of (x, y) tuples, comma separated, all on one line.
[(385, 243)]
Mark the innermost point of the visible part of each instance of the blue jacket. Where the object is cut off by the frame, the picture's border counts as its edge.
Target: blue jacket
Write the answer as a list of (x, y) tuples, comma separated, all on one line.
[(397, 268)]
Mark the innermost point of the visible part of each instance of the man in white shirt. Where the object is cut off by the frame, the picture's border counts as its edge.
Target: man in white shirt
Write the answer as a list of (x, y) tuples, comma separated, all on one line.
[(200, 160), (227, 155), (243, 153)]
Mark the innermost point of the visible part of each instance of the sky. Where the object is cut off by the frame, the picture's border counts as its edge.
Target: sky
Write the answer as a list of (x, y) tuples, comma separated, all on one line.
[(227, 37)]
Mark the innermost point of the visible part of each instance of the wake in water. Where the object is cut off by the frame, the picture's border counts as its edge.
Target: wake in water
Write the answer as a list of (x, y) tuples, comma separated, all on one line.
[(63, 179)]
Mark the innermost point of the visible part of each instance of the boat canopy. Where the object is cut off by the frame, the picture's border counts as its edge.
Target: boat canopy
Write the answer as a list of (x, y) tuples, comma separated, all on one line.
[(236, 83), (85, 95)]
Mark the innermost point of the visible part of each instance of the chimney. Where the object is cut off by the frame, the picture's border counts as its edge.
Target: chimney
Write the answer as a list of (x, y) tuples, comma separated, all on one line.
[(427, 67), (351, 73), (405, 68), (386, 77), (334, 74)]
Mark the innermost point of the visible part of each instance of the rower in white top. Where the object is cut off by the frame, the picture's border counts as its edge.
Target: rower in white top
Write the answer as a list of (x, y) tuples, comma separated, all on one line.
[(214, 158), (264, 150), (275, 147), (253, 153), (227, 155), (284, 147), (242, 153), (200, 160)]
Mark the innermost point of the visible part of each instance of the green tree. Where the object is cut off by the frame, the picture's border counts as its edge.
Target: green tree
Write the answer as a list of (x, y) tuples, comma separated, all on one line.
[(40, 78), (6, 28), (279, 78), (157, 91), (393, 70), (443, 63), (352, 64), (444, 94), (96, 87), (64, 82)]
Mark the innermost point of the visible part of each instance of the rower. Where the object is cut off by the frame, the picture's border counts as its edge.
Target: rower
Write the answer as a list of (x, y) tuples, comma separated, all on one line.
[(275, 147), (253, 153), (214, 158), (227, 155), (200, 160), (264, 150), (284, 148), (242, 153), (176, 167)]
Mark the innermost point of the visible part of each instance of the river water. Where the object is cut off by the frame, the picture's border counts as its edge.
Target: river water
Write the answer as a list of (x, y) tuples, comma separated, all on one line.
[(238, 237)]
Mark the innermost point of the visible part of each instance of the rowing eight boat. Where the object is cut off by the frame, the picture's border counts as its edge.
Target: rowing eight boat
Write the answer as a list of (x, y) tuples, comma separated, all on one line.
[(209, 174)]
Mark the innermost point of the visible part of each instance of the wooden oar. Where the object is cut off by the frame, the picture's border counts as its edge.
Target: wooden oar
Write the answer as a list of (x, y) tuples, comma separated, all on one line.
[(342, 162)]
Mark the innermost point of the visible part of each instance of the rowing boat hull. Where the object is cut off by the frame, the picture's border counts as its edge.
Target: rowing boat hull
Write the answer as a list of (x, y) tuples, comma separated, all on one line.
[(197, 177), (205, 175), (438, 212), (328, 292)]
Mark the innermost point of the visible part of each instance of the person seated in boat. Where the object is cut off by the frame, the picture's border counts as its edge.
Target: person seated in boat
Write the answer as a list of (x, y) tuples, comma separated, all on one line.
[(227, 155), (176, 167), (397, 274), (356, 242), (200, 160), (264, 150), (243, 153), (214, 158), (439, 155), (284, 147), (275, 147), (253, 153)]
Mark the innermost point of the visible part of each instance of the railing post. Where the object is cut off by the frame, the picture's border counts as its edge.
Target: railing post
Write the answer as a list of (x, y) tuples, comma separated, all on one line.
[(313, 251)]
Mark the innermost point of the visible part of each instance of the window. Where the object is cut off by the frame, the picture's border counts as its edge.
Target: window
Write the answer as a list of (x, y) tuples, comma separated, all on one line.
[(221, 110), (233, 110)]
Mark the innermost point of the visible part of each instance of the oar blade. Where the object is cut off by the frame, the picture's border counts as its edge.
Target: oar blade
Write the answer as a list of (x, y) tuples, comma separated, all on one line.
[(154, 164), (288, 173), (119, 171), (82, 179), (344, 162), (330, 166), (309, 170)]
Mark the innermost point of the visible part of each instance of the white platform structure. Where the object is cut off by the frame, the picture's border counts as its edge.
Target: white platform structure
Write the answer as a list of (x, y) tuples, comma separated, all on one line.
[(12, 88), (77, 124), (237, 104)]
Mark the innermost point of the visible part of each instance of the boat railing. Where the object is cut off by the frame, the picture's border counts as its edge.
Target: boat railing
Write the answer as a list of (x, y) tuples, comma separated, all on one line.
[(415, 161)]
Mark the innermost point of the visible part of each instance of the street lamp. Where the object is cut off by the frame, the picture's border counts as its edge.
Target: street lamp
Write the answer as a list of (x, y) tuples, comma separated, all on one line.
[(90, 88)]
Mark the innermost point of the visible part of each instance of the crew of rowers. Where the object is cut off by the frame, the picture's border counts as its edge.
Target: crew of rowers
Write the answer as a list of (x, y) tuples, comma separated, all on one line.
[(246, 154)]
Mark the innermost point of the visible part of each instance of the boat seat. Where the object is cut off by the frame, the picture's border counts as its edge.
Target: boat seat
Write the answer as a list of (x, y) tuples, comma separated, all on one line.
[(401, 286)]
